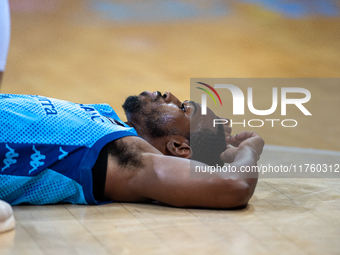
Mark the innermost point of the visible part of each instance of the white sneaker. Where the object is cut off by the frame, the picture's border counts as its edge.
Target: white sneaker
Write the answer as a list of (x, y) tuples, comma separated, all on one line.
[(7, 221)]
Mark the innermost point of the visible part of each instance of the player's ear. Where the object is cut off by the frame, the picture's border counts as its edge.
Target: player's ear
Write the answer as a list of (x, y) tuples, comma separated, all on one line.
[(179, 148)]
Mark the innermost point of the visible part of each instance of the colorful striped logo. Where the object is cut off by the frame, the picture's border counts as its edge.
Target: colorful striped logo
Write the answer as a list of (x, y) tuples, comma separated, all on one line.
[(209, 93)]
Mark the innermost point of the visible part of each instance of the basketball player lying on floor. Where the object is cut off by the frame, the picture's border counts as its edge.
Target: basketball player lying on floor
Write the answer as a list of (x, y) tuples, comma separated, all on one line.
[(53, 151)]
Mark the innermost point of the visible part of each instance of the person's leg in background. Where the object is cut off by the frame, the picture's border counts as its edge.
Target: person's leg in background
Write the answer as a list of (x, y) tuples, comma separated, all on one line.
[(7, 221), (4, 34)]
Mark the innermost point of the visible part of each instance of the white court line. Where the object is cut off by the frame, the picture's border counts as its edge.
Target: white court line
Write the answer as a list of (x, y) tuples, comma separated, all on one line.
[(301, 150)]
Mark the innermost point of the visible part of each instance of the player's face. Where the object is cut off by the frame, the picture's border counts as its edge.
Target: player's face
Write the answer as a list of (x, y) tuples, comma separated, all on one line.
[(164, 114)]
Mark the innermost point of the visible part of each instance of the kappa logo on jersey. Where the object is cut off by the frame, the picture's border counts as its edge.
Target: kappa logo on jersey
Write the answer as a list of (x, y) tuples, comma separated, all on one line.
[(63, 153), (9, 160), (36, 157)]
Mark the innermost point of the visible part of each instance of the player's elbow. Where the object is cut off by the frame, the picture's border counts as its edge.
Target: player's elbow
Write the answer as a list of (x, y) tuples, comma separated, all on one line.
[(236, 195), (244, 193)]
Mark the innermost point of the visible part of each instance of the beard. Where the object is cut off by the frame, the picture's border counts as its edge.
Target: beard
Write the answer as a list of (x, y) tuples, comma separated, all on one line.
[(152, 119), (133, 104)]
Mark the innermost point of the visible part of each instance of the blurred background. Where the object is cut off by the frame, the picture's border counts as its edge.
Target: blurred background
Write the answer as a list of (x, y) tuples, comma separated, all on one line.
[(101, 51)]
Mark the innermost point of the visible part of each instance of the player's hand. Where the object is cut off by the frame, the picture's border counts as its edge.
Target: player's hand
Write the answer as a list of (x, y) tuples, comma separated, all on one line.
[(240, 141)]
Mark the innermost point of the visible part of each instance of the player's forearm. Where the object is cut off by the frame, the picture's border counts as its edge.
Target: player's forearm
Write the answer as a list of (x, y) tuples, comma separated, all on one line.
[(172, 183)]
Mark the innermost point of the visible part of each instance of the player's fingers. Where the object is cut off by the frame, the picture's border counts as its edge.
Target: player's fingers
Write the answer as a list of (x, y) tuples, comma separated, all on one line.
[(239, 138), (228, 156), (245, 135), (232, 140), (227, 130)]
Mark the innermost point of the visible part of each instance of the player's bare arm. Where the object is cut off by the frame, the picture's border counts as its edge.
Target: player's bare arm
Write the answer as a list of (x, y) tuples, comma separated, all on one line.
[(166, 179)]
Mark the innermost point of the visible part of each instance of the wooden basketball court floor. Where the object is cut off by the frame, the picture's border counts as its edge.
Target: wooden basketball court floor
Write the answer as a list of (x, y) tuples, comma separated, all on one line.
[(88, 52)]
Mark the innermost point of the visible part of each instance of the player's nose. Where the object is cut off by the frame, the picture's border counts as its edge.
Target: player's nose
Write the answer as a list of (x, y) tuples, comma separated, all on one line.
[(170, 98)]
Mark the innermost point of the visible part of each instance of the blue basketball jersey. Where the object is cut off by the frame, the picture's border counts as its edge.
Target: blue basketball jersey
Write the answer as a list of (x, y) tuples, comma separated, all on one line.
[(49, 146)]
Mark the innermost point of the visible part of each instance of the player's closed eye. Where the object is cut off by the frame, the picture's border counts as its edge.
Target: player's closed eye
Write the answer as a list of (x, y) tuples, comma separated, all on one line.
[(182, 107)]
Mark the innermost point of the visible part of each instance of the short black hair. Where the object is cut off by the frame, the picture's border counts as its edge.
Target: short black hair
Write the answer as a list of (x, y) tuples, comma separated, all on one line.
[(207, 146)]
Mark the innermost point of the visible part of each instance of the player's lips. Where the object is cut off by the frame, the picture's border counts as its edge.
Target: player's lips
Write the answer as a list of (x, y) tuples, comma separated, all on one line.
[(227, 129)]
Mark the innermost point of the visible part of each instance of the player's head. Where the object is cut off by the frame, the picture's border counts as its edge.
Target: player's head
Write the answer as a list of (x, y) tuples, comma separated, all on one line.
[(164, 121)]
